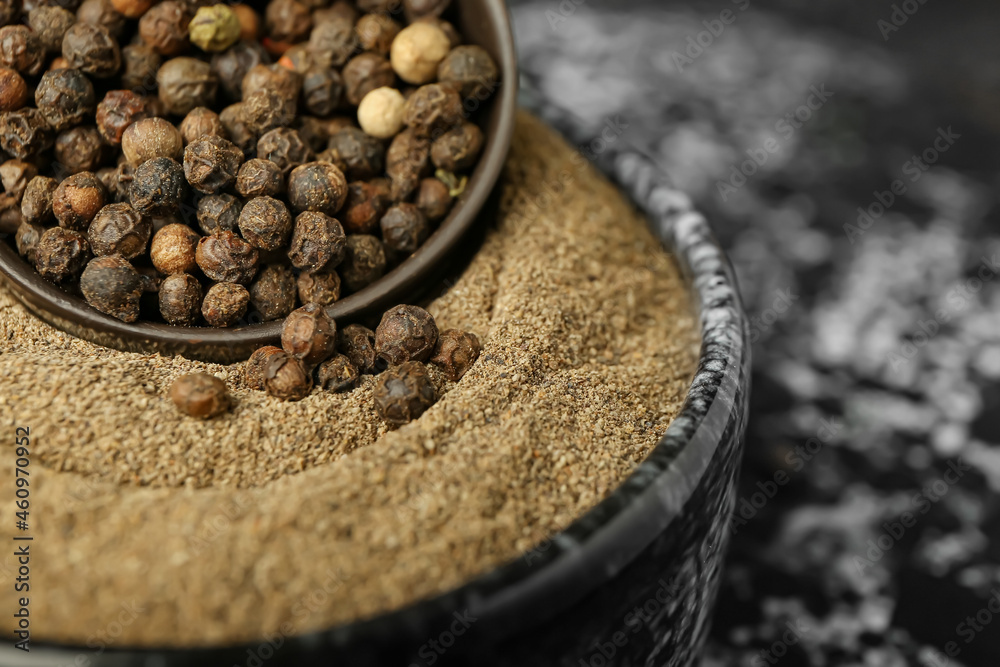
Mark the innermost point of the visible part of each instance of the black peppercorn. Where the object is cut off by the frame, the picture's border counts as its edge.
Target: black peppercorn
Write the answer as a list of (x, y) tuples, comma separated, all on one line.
[(403, 393), (287, 20), (65, 97), (471, 71), (237, 129), (10, 215), (366, 203), (50, 23), (433, 109), (36, 203), (339, 9), (313, 132), (165, 28), (284, 147), (285, 82), (322, 287), (406, 162), (26, 240), (264, 110), (406, 333), (260, 178), (91, 49), (317, 186), (265, 223), (15, 176), (318, 242), (119, 229), (211, 164), (9, 12), (364, 262), (333, 41), (253, 371), (21, 50), (140, 63), (337, 374), (185, 83), (376, 32), (200, 395), (174, 249), (111, 285), (219, 212), (79, 149), (455, 353), (200, 123), (225, 257), (233, 64), (322, 90), (117, 181), (365, 73), (224, 304), (273, 293), (102, 13), (433, 199), (358, 344), (180, 299), (13, 90), (77, 200), (404, 228), (286, 378), (357, 154), (158, 187), (61, 254), (25, 132), (309, 334)]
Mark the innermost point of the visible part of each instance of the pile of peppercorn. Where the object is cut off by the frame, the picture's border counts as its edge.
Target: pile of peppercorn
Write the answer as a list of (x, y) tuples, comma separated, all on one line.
[(313, 351), (182, 149)]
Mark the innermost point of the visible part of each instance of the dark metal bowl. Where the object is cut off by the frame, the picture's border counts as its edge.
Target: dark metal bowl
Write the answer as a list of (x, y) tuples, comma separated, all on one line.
[(482, 22)]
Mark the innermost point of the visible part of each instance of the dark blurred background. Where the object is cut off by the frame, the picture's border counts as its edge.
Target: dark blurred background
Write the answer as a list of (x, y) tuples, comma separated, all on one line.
[(868, 522)]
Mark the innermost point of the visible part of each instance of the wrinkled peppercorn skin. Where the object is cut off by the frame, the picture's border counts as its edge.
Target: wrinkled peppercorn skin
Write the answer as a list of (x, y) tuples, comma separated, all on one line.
[(286, 378), (211, 164), (337, 374), (364, 262), (77, 199), (357, 343), (265, 223), (406, 333), (273, 293), (358, 155), (404, 228), (220, 212), (200, 395), (225, 257), (111, 285), (455, 353), (158, 187), (119, 229), (225, 304), (180, 297), (322, 287), (61, 254), (403, 393), (318, 242), (253, 370), (317, 186), (309, 334), (65, 97)]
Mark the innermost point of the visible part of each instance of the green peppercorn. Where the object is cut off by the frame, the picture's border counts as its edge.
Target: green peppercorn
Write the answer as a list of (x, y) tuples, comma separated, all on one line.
[(214, 28)]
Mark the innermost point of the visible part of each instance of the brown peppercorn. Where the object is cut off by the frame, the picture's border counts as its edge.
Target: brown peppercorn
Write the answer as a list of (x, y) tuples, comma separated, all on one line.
[(264, 110), (287, 20), (211, 164), (309, 334), (321, 287), (111, 285), (10, 215), (471, 71), (102, 13), (286, 378), (260, 178), (185, 83), (322, 90), (133, 9), (140, 63), (337, 374), (158, 187), (25, 132), (165, 28), (313, 132), (174, 249), (36, 203), (225, 304), (406, 162), (21, 50), (265, 223), (180, 299), (333, 41), (237, 129), (364, 73), (318, 242), (417, 51), (406, 333), (358, 344), (455, 353), (9, 12), (201, 122), (219, 212), (249, 21), (26, 240), (215, 28), (366, 203), (61, 254), (403, 393), (15, 176), (117, 181), (77, 200), (417, 8), (317, 186), (273, 293), (458, 149), (148, 138), (253, 370), (376, 32), (404, 228), (13, 90), (118, 110), (364, 262), (433, 199), (284, 147), (433, 109), (50, 23), (298, 58), (65, 97), (200, 395), (91, 49), (80, 149), (357, 154), (285, 82), (225, 257), (119, 229), (233, 64)]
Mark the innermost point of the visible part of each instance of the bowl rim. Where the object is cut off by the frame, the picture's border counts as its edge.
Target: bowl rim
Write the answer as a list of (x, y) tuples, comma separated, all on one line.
[(599, 544), (69, 312)]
